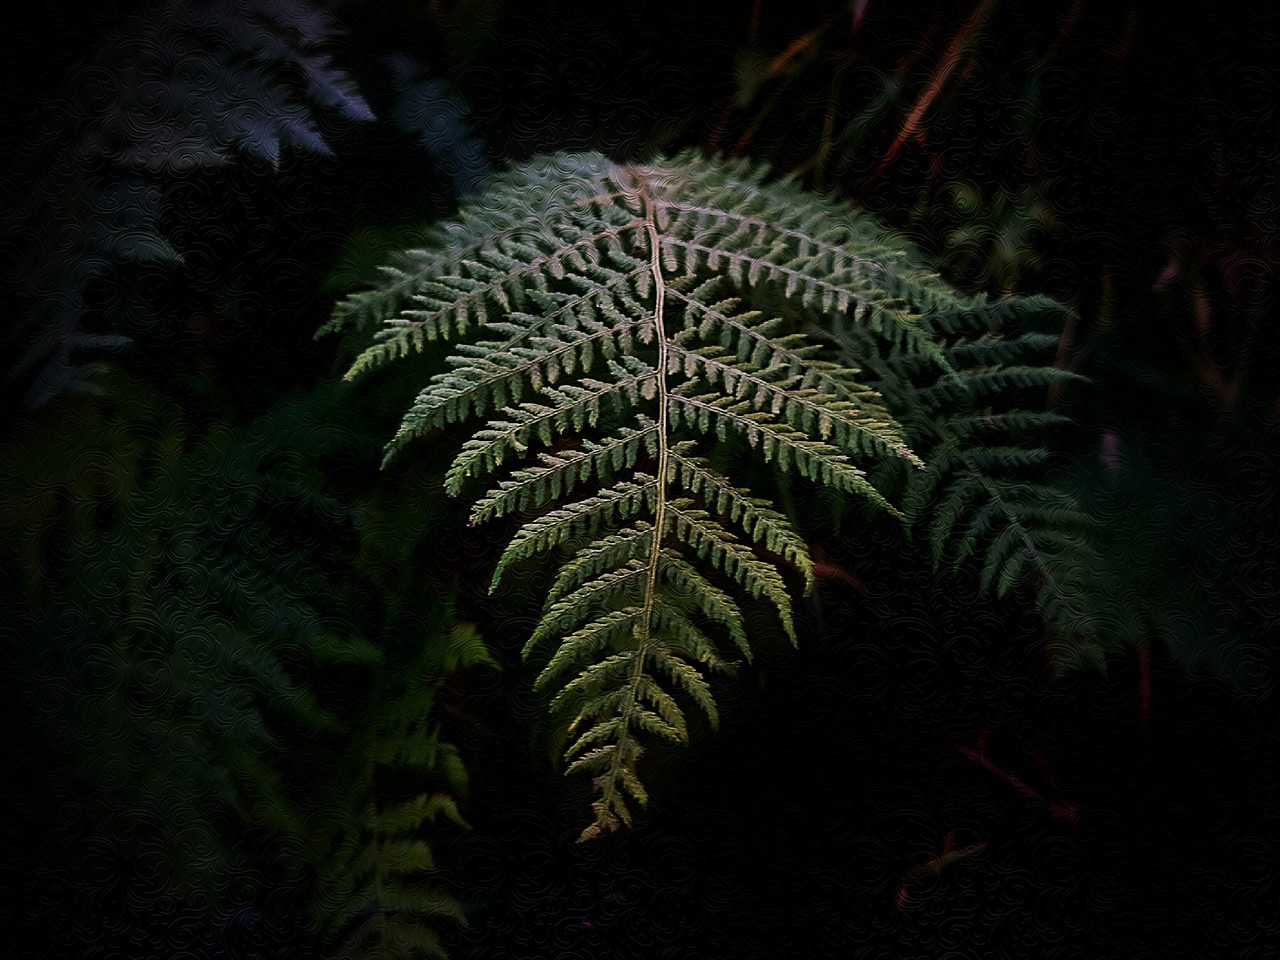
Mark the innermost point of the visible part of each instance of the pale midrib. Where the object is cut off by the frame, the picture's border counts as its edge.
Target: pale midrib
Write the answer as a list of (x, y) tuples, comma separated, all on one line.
[(660, 504), (660, 507)]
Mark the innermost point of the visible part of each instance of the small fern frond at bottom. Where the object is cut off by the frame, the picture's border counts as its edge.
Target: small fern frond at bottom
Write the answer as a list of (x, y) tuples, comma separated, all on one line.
[(377, 892)]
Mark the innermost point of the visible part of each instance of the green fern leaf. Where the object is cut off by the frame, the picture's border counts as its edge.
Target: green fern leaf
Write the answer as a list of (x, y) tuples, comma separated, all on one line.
[(606, 341), (979, 420)]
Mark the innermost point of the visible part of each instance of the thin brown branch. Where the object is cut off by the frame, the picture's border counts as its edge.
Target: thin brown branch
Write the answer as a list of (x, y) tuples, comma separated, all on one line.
[(1061, 809), (799, 46), (940, 75)]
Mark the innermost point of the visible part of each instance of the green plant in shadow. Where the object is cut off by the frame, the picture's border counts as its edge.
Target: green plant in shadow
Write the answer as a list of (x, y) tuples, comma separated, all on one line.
[(231, 700)]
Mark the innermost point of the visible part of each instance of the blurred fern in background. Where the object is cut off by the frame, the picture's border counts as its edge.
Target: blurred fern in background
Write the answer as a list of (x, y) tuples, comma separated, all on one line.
[(179, 87), (225, 706)]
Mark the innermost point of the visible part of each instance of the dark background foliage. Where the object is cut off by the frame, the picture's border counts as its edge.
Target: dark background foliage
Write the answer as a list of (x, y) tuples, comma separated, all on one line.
[(215, 604)]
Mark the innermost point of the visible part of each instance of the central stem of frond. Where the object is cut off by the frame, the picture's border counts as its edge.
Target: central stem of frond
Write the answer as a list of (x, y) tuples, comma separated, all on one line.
[(611, 781), (646, 626), (660, 507)]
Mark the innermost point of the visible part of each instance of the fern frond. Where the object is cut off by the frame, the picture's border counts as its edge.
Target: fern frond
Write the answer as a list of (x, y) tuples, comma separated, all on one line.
[(572, 406), (429, 112), (606, 553), (373, 894), (602, 307), (195, 86), (561, 472), (987, 497), (496, 248), (621, 501), (756, 517), (193, 618), (583, 602)]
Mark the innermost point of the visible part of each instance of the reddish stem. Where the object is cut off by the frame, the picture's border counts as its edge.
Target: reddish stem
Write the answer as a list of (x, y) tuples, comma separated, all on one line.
[(940, 74), (1057, 808)]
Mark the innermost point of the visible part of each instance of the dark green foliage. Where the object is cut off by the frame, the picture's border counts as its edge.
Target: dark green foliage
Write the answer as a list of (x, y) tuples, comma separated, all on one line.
[(427, 109), (179, 88), (608, 300), (1057, 169), (228, 707), (989, 498), (917, 111), (395, 785), (1189, 526)]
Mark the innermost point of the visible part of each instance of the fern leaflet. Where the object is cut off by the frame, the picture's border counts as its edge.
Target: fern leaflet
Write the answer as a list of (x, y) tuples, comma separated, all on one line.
[(981, 424)]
